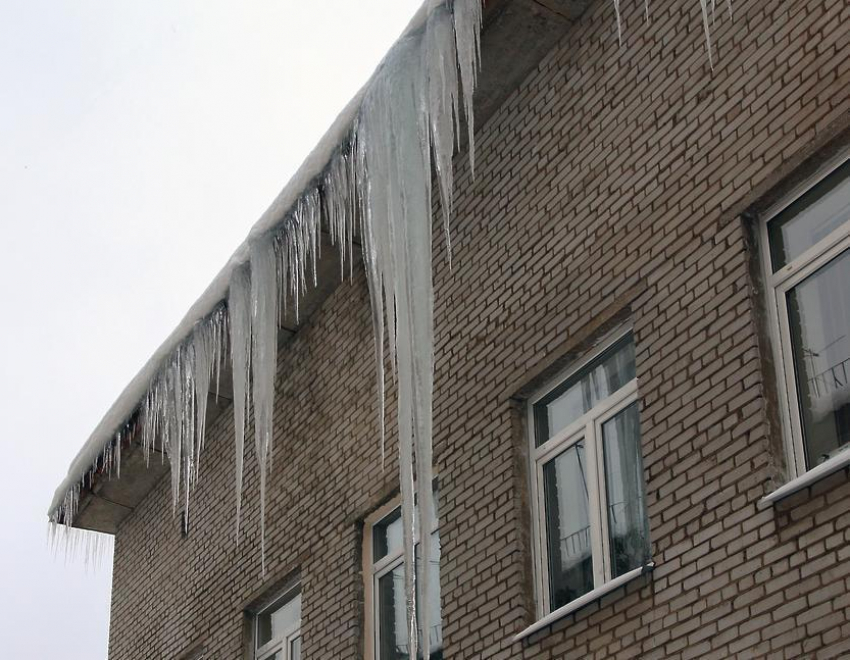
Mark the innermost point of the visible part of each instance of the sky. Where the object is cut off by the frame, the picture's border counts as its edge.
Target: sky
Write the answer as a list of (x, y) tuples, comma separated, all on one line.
[(138, 144)]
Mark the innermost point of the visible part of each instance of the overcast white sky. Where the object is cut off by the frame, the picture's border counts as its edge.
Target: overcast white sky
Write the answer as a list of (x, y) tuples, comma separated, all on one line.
[(138, 144)]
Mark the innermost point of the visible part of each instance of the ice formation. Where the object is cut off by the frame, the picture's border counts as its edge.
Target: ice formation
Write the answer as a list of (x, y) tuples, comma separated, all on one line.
[(369, 179), (708, 9)]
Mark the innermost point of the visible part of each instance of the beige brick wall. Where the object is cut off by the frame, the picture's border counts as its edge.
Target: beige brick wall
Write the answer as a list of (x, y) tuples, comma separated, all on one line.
[(610, 183)]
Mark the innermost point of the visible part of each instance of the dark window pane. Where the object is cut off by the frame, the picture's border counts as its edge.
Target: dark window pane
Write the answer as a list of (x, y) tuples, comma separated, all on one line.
[(628, 528), (599, 380), (568, 526), (811, 218), (387, 535), (392, 611), (295, 649), (819, 317)]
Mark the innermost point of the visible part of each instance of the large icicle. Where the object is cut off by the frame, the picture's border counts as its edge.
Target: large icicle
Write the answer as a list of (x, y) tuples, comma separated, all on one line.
[(239, 309), (408, 120), (394, 136), (264, 298)]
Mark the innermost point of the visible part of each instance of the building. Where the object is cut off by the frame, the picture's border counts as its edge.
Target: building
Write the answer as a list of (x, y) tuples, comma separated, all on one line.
[(641, 400)]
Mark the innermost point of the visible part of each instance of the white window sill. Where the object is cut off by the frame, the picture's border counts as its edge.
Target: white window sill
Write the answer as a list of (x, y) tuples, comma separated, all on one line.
[(580, 602), (834, 464)]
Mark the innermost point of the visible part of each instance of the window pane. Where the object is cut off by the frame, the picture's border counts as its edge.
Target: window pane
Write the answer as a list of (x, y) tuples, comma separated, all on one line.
[(387, 534), (819, 317), (295, 649), (628, 528), (568, 526), (811, 218), (599, 380), (392, 607), (278, 620)]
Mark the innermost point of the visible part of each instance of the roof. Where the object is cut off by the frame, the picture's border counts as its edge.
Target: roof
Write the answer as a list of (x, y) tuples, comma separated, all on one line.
[(516, 34)]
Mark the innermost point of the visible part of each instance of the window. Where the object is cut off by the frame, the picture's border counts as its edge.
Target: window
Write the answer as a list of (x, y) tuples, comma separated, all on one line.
[(587, 482), (808, 282), (386, 627), (277, 629)]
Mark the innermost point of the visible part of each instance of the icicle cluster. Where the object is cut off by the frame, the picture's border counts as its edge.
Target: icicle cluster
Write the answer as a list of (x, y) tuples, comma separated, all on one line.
[(709, 15), (72, 544), (377, 186), (173, 411)]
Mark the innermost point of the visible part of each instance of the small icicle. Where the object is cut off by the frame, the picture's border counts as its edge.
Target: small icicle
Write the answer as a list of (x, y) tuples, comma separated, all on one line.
[(707, 28), (619, 22), (468, 17), (239, 308)]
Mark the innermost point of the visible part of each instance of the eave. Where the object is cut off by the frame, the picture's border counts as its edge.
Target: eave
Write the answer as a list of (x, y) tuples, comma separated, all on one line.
[(516, 36)]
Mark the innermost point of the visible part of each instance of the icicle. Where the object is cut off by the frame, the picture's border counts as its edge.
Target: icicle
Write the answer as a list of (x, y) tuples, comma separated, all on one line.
[(118, 454), (79, 545), (264, 298), (441, 105), (619, 22), (395, 134), (707, 28), (239, 307), (468, 17), (206, 350)]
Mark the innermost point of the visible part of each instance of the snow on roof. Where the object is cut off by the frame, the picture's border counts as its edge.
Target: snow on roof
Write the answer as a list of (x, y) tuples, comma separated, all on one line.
[(313, 166)]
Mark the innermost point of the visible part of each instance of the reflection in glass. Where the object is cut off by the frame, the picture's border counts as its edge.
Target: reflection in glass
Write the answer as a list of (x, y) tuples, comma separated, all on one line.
[(392, 610), (277, 621), (387, 535), (568, 526), (599, 380), (628, 527), (387, 538), (819, 318), (811, 218)]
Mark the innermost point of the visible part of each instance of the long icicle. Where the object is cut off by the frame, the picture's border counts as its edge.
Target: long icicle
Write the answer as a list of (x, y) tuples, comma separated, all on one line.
[(239, 308), (264, 300)]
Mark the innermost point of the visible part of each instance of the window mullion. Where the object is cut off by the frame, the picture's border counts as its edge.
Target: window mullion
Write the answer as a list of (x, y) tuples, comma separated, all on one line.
[(595, 504), (796, 443), (542, 537)]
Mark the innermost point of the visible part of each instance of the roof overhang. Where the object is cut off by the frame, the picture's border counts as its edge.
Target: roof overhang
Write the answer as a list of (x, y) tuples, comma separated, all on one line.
[(515, 37)]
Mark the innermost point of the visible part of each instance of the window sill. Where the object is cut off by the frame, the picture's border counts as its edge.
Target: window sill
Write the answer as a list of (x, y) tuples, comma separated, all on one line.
[(580, 602), (807, 479)]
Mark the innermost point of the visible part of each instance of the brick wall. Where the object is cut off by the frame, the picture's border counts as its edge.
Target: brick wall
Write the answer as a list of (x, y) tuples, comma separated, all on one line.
[(609, 185)]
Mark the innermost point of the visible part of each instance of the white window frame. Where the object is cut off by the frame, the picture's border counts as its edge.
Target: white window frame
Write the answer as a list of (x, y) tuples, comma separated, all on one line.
[(283, 642), (374, 571), (777, 286), (588, 427)]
